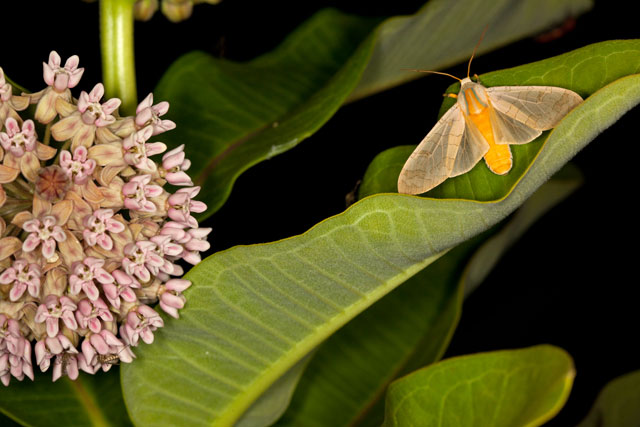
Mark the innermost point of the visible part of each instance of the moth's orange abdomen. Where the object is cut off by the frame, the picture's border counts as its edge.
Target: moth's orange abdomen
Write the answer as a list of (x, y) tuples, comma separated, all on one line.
[(498, 158)]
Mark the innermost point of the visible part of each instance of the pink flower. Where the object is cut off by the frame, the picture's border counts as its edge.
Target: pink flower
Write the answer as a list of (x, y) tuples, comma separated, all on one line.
[(78, 168), (174, 164), (171, 298), (97, 347), (9, 103), (136, 192), (64, 352), (181, 204), (59, 77), (96, 226), (149, 115), (122, 289), (166, 248), (141, 323), (60, 80), (193, 240), (15, 351), (95, 113), (23, 276), (45, 232), (85, 273), (16, 140), (52, 310), (140, 258), (90, 312), (91, 116), (137, 149)]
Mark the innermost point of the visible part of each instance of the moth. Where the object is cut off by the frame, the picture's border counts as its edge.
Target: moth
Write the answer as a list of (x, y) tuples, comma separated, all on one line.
[(483, 123), (109, 359)]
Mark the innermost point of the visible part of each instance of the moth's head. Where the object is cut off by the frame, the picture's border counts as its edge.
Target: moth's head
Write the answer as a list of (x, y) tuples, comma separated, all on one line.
[(472, 97)]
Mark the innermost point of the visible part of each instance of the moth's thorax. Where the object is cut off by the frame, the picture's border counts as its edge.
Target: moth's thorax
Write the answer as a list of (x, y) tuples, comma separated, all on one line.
[(472, 97)]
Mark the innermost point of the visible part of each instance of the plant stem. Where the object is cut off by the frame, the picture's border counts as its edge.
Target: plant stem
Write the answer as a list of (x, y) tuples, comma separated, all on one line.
[(118, 65)]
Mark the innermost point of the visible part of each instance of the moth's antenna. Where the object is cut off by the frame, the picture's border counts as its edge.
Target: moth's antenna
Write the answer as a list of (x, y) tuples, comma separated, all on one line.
[(432, 72), (475, 48)]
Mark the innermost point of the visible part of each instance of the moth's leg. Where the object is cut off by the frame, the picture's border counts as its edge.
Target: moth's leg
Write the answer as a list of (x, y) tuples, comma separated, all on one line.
[(476, 79), (450, 95)]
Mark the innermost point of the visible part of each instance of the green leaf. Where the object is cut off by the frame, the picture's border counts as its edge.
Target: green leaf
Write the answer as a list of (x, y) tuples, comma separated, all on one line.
[(408, 328), (617, 403), (254, 311), (91, 400), (234, 115), (503, 388), (583, 70)]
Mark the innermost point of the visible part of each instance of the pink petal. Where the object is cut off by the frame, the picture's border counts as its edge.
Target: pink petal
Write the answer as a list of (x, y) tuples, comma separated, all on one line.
[(171, 311), (177, 285), (114, 226), (17, 291), (197, 206), (94, 325), (8, 276), (128, 295), (91, 290), (98, 342), (48, 248), (69, 320), (30, 243), (172, 300), (52, 326)]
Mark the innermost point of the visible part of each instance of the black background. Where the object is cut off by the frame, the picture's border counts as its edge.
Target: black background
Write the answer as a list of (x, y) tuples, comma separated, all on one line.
[(570, 281)]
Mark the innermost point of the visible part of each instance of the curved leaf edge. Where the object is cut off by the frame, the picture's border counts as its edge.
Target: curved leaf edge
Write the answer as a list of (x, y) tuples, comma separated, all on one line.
[(567, 379)]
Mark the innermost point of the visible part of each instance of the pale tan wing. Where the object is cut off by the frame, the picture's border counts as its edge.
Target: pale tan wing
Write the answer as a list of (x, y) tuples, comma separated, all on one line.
[(432, 161), (472, 148), (535, 107), (507, 130)]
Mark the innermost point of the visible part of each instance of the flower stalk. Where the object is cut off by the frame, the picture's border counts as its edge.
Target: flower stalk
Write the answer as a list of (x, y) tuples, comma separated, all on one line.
[(118, 64)]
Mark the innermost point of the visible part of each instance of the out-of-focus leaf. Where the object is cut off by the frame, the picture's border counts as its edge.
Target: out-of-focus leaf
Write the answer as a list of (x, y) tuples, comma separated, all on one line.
[(503, 388), (617, 404), (444, 33), (91, 400), (270, 406)]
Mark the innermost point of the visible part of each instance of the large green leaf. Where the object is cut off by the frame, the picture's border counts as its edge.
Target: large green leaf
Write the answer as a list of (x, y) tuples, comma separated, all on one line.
[(91, 400), (443, 33), (617, 403), (582, 70), (502, 388), (234, 115), (408, 328), (254, 311)]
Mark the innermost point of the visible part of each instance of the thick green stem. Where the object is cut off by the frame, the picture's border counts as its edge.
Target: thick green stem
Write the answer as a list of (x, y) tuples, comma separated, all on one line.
[(118, 65)]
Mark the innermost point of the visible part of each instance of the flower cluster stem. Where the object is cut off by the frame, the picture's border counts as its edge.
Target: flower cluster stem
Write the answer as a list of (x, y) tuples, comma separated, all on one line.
[(118, 65)]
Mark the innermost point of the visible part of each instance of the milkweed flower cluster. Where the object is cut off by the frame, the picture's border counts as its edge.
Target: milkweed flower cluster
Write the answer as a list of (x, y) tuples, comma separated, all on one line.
[(91, 237)]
